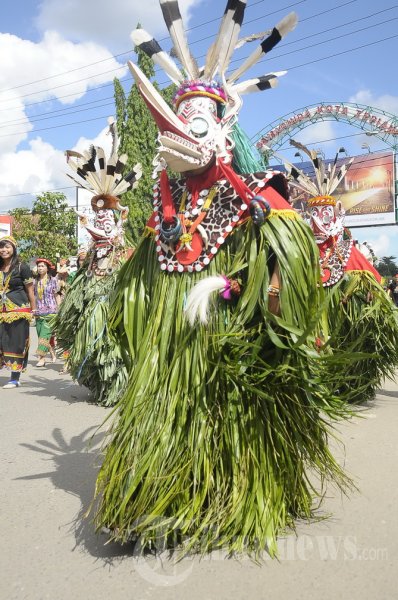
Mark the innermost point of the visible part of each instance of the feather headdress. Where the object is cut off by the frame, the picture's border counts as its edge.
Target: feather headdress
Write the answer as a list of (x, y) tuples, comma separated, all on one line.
[(99, 175), (219, 54), (326, 178)]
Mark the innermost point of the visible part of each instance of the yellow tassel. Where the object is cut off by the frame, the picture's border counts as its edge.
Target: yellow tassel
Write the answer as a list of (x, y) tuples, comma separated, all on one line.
[(287, 213)]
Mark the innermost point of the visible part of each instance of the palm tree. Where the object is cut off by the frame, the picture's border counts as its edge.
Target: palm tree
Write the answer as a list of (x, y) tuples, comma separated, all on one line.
[(387, 266)]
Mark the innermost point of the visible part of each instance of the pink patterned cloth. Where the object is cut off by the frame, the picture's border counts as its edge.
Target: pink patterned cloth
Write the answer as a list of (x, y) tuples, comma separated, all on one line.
[(47, 304)]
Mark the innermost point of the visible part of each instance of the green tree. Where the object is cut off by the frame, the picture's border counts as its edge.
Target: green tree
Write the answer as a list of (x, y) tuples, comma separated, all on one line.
[(46, 230), (138, 133), (387, 266), (24, 229)]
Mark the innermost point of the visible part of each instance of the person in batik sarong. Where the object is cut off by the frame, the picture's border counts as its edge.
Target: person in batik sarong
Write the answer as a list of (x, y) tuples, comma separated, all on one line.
[(17, 301), (46, 288)]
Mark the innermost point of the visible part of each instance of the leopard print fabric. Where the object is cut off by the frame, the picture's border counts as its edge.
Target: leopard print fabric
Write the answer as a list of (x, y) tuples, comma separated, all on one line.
[(333, 262), (226, 212)]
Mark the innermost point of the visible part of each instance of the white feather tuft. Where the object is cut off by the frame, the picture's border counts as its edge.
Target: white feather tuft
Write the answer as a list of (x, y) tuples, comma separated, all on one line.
[(219, 53), (173, 20), (287, 24), (258, 84), (198, 301), (251, 38), (159, 56), (277, 34)]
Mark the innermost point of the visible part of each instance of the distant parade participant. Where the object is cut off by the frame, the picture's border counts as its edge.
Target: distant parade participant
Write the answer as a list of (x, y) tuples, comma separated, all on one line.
[(46, 288), (91, 355), (360, 317), (62, 278), (393, 290), (17, 303), (81, 258)]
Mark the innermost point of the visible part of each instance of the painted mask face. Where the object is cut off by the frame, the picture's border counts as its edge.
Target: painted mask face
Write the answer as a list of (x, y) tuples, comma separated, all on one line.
[(105, 231), (189, 139), (203, 135), (105, 220), (326, 221), (199, 116)]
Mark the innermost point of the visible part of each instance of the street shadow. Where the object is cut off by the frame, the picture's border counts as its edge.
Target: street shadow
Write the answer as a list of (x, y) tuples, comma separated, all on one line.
[(390, 393), (74, 468), (62, 388)]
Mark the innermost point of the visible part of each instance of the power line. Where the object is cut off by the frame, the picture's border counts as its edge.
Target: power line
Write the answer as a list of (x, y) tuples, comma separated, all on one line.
[(55, 126), (69, 187), (202, 39), (343, 52), (75, 109), (129, 51), (337, 37), (70, 83), (345, 24), (320, 59), (70, 112), (366, 159)]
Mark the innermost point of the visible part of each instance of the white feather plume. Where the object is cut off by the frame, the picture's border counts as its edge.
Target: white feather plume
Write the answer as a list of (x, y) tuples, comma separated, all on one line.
[(251, 38), (173, 20), (280, 30), (160, 57), (198, 301), (220, 51), (257, 84)]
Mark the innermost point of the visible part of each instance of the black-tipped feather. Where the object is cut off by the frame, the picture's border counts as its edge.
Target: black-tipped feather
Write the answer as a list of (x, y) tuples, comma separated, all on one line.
[(173, 20), (287, 24), (152, 48)]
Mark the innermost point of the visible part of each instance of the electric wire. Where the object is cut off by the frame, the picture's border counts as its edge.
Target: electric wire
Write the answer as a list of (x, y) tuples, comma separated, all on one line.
[(319, 59), (202, 39), (366, 159), (75, 109)]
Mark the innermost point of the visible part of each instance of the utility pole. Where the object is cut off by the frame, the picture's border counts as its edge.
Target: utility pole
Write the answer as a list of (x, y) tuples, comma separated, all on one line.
[(77, 218)]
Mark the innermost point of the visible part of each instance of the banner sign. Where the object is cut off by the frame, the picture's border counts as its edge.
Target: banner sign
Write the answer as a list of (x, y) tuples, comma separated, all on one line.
[(366, 192), (5, 225)]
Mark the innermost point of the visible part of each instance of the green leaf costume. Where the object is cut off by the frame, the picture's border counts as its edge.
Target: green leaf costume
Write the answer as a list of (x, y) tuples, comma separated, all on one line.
[(229, 404)]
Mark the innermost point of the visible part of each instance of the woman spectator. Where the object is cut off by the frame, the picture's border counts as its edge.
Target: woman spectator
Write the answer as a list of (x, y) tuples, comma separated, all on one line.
[(46, 288), (17, 303)]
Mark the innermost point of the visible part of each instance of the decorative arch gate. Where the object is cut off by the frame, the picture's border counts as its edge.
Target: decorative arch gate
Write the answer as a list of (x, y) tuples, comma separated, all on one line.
[(373, 121)]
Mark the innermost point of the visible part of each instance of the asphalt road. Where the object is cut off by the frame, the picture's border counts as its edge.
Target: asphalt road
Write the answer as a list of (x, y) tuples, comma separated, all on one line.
[(49, 456)]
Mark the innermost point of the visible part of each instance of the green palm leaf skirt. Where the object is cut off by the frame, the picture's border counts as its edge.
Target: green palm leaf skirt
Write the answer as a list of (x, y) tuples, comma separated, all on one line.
[(363, 321), (82, 330), (221, 437)]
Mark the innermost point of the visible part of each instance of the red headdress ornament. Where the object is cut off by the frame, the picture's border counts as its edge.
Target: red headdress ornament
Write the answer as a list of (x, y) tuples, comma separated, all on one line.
[(46, 262)]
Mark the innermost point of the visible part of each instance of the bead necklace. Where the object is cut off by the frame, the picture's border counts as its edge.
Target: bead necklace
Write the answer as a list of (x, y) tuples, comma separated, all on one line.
[(5, 283), (188, 226), (41, 286)]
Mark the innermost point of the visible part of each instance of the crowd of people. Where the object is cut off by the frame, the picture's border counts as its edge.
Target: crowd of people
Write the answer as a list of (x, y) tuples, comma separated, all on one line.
[(29, 295)]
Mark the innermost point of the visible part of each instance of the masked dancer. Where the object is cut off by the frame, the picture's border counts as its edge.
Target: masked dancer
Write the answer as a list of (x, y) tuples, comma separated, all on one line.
[(93, 359), (223, 412), (360, 319)]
